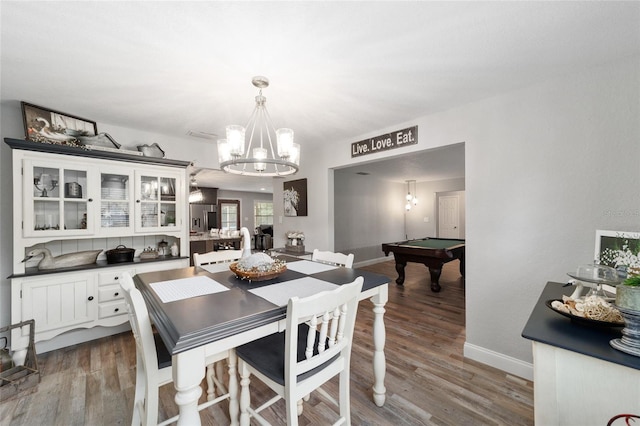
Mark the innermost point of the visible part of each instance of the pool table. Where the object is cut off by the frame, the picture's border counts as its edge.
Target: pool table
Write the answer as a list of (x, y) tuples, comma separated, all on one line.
[(432, 252)]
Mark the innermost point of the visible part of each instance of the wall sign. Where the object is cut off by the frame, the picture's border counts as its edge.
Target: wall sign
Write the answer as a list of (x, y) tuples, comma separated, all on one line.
[(392, 140)]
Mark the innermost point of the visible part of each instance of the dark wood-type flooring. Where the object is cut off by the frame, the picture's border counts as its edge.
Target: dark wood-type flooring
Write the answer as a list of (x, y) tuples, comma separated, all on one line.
[(428, 380)]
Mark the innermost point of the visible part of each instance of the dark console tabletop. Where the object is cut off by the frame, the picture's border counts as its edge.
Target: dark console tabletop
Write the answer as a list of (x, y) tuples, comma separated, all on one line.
[(549, 327)]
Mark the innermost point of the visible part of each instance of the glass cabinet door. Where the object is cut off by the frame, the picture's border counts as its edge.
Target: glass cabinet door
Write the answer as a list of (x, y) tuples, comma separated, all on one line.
[(115, 201), (156, 201), (56, 201)]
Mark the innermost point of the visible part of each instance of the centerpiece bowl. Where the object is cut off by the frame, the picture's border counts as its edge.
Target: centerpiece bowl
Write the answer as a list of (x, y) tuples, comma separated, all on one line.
[(258, 267)]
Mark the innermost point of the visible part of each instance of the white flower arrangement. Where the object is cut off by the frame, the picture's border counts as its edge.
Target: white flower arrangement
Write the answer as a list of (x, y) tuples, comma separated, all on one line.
[(295, 234)]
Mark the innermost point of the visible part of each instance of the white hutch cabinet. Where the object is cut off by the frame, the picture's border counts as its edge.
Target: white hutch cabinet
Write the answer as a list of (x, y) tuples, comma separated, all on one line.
[(68, 199)]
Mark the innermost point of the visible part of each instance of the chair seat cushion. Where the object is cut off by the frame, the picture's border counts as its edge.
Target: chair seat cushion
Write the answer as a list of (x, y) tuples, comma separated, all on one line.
[(164, 357), (267, 354)]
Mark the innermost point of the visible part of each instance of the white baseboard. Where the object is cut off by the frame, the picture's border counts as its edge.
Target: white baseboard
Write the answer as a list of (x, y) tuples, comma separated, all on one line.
[(500, 361)]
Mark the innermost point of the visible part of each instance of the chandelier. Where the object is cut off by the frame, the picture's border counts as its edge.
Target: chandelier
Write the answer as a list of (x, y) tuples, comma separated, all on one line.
[(411, 198), (195, 194), (259, 158)]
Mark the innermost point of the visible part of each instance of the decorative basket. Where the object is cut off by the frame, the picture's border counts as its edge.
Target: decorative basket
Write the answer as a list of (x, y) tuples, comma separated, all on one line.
[(21, 377), (255, 275), (294, 249)]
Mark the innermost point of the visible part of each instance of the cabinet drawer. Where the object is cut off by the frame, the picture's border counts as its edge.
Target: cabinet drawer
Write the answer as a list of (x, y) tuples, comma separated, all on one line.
[(111, 309), (113, 277), (109, 293)]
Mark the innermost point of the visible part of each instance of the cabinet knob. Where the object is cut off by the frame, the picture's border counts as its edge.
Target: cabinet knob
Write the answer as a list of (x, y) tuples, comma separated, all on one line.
[(116, 294), (137, 201), (90, 200), (116, 278), (116, 309), (90, 298)]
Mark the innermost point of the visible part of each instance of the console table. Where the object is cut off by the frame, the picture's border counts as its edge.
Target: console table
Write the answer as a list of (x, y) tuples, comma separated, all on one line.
[(578, 377)]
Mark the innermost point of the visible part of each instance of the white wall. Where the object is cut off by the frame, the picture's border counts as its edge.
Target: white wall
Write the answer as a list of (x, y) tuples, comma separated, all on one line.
[(546, 166)]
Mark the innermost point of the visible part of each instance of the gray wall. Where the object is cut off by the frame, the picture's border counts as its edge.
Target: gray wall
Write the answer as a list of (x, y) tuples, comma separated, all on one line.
[(369, 212), (545, 167), (366, 214)]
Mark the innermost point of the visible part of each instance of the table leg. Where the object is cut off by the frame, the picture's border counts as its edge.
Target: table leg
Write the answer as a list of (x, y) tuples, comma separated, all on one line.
[(400, 270), (188, 372), (379, 337), (435, 273), (245, 397), (233, 388)]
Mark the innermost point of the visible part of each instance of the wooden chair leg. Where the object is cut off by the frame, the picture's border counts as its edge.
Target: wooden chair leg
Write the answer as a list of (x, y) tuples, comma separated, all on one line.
[(211, 386), (292, 412), (345, 409), (138, 399), (151, 404), (220, 376)]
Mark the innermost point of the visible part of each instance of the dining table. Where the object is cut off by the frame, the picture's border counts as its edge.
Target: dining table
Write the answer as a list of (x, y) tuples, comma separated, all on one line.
[(201, 311)]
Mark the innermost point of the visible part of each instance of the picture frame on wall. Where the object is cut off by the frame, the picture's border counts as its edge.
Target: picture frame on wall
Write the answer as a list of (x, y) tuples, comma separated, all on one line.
[(45, 125), (618, 249), (295, 197)]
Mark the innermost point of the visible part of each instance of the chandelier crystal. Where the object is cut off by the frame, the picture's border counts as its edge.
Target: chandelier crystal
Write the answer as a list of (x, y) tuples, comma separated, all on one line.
[(259, 158)]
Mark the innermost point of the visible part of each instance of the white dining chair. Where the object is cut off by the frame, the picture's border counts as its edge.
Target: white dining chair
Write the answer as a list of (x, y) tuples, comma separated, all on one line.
[(216, 261), (153, 360), (339, 259), (315, 347)]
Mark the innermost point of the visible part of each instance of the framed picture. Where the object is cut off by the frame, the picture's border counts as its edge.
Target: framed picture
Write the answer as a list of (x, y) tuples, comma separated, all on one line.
[(295, 198), (618, 249), (46, 125)]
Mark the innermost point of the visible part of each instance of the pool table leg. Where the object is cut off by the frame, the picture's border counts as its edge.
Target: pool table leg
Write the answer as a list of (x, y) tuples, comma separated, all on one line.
[(400, 270), (435, 273)]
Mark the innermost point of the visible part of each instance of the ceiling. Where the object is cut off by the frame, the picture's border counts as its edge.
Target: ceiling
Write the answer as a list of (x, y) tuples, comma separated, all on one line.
[(337, 69)]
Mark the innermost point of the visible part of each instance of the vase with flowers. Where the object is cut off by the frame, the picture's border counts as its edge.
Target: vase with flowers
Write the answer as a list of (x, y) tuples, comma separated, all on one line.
[(628, 302)]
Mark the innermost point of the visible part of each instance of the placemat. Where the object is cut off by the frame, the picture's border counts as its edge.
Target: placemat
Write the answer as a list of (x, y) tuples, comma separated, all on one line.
[(279, 294), (185, 288), (308, 267)]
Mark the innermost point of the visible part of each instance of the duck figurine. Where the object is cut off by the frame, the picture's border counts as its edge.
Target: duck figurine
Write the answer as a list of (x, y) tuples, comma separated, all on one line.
[(246, 242), (64, 260)]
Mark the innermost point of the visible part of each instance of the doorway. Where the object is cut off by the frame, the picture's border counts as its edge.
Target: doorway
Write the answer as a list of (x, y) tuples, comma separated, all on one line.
[(451, 214)]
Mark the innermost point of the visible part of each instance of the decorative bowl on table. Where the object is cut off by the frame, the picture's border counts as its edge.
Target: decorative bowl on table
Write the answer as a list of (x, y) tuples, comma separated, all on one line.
[(608, 316), (258, 267)]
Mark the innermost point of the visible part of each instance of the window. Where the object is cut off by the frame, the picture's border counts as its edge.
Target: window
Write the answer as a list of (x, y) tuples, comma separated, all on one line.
[(262, 213), (229, 212)]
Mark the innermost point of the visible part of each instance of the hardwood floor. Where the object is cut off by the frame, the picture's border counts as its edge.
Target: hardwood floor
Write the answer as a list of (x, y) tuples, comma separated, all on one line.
[(428, 380)]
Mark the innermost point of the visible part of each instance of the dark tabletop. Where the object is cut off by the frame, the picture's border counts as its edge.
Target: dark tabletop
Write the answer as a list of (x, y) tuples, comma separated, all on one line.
[(549, 327), (189, 323)]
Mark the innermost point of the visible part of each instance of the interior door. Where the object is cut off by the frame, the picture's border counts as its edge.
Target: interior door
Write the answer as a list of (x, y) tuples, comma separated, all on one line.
[(448, 216)]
